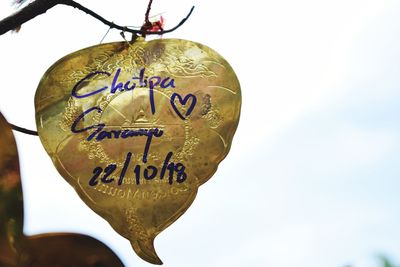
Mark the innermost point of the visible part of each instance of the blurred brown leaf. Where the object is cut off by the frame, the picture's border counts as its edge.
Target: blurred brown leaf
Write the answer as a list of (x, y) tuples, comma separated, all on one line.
[(47, 250)]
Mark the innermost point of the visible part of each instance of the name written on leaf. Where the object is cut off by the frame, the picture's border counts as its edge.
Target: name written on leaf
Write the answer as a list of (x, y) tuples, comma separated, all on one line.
[(141, 81)]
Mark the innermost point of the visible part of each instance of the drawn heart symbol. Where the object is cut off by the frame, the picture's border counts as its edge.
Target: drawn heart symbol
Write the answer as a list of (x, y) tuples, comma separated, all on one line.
[(183, 103), (107, 116)]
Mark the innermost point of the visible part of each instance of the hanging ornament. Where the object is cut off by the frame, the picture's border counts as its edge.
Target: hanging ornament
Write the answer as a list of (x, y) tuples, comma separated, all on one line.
[(137, 127)]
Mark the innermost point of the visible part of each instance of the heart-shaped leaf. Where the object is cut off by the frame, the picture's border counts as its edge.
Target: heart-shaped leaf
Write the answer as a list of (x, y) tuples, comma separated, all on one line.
[(137, 128)]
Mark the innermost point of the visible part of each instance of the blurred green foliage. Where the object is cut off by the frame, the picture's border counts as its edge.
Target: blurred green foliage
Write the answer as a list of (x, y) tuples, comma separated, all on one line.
[(385, 262)]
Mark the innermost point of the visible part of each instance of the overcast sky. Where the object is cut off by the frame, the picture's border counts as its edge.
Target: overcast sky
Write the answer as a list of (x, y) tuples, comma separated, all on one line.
[(313, 175)]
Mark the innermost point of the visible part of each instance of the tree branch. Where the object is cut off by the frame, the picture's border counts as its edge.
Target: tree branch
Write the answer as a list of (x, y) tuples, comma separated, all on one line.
[(27, 13), (119, 27), (39, 7), (23, 130)]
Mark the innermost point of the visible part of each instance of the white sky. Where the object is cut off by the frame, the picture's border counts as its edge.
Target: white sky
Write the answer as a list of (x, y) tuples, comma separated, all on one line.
[(313, 175)]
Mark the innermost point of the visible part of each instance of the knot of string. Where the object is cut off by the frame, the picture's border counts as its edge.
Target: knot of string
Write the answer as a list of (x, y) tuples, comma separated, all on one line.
[(149, 26)]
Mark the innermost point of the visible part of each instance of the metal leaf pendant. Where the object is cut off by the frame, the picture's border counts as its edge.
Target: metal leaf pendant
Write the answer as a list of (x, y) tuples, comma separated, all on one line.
[(137, 128)]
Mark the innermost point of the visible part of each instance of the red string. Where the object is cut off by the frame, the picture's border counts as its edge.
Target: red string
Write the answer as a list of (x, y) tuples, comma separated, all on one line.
[(151, 26)]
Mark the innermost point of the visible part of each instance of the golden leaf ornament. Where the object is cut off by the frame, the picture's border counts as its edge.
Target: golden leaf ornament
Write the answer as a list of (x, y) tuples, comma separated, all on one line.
[(137, 127)]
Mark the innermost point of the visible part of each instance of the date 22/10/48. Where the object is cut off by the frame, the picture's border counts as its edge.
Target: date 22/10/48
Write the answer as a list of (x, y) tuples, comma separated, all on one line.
[(150, 172)]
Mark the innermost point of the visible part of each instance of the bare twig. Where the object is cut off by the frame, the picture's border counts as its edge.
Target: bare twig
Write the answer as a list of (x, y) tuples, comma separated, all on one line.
[(27, 13), (23, 130), (39, 7), (119, 27)]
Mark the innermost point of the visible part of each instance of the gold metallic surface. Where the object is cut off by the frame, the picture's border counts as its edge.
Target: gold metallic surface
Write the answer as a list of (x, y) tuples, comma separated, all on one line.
[(47, 250), (137, 128)]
